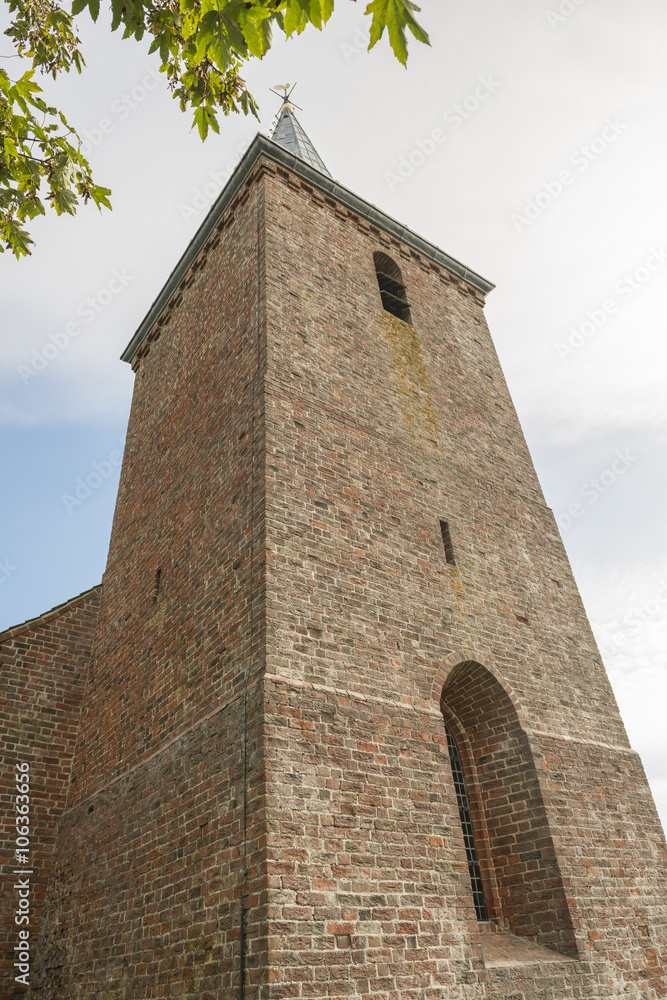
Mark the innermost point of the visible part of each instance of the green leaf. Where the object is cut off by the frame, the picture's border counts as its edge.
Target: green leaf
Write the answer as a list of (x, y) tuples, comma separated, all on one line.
[(25, 85), (378, 10), (100, 196), (206, 35), (248, 104), (201, 121), (314, 14), (94, 8), (295, 18), (234, 32), (412, 23), (16, 238), (396, 32), (256, 28), (59, 16), (11, 153), (64, 201), (30, 208), (395, 16), (117, 10)]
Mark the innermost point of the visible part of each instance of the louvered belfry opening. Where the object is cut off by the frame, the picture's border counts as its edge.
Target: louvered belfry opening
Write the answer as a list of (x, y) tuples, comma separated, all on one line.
[(392, 289), (466, 823)]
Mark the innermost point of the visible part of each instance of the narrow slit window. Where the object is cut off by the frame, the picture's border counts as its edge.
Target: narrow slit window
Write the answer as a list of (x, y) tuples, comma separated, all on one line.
[(392, 289), (466, 823), (156, 588), (447, 542)]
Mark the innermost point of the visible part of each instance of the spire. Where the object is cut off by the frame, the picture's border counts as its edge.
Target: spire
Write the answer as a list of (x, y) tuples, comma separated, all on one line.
[(287, 132)]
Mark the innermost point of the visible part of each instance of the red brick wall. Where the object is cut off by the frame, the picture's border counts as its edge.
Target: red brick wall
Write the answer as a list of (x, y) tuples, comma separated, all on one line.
[(523, 882), (145, 892), (44, 666), (336, 464), (613, 851), (162, 661), (366, 877), (148, 889), (376, 431)]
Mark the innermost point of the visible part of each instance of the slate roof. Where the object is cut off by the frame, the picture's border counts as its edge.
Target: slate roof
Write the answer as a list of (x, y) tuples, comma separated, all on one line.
[(289, 134)]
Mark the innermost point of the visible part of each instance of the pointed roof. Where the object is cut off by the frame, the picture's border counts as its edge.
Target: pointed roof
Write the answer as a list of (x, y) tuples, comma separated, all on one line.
[(289, 133)]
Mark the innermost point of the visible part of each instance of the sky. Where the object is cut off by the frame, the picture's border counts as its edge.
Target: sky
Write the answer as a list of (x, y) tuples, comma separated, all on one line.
[(529, 141)]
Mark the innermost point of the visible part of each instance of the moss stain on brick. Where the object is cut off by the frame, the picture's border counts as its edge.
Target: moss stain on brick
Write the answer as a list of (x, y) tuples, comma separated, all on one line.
[(460, 606), (411, 378)]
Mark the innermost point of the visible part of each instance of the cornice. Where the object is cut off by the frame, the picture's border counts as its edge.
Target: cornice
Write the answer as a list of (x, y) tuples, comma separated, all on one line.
[(261, 146)]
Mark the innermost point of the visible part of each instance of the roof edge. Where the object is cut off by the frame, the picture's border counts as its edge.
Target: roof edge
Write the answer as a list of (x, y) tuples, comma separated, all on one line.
[(261, 146), (47, 616)]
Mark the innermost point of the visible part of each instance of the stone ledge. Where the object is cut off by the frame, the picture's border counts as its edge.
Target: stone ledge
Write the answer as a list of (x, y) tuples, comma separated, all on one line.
[(502, 950)]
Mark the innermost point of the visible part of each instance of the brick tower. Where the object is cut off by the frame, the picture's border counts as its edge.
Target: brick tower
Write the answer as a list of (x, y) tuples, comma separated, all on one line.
[(345, 730)]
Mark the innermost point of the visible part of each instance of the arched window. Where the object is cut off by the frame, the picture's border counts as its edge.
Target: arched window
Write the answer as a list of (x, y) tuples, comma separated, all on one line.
[(392, 289), (514, 872), (463, 803)]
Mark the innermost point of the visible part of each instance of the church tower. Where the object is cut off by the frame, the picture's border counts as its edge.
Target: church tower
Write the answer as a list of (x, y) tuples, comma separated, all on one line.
[(345, 732)]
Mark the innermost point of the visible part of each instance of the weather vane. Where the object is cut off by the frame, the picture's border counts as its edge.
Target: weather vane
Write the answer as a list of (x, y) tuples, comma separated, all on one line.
[(286, 94)]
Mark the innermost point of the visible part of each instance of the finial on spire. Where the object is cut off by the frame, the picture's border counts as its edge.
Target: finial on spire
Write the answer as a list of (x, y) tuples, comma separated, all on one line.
[(287, 132), (285, 96)]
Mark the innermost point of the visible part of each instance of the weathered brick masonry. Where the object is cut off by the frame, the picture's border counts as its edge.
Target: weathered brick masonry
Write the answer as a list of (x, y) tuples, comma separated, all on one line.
[(44, 665), (151, 906), (261, 801)]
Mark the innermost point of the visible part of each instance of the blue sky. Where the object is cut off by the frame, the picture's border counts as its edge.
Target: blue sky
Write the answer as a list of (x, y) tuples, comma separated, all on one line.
[(546, 176)]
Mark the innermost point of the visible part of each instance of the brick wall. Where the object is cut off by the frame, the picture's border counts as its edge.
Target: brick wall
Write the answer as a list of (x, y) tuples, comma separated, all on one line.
[(150, 842), (367, 892), (145, 898), (291, 452), (613, 856), (376, 431), (164, 657), (44, 666), (523, 882)]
